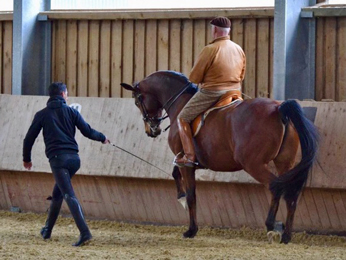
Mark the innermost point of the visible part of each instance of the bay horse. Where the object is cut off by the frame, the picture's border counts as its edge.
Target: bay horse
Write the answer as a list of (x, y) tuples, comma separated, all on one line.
[(247, 137)]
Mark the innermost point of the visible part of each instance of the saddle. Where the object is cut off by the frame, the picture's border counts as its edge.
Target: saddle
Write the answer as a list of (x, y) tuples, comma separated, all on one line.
[(230, 98)]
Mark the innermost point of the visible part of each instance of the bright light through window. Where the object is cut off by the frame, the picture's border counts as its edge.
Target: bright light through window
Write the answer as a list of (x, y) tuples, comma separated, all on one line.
[(337, 2), (139, 4), (6, 5)]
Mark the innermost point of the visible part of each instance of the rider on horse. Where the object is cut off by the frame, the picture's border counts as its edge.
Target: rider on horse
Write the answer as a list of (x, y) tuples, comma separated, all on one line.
[(219, 68)]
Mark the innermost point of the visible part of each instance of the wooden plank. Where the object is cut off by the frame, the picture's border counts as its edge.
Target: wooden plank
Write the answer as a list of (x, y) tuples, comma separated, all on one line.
[(127, 55), (329, 58), (260, 213), (340, 207), (18, 191), (139, 63), (82, 69), (208, 36), (174, 45), (71, 58), (199, 37), (302, 212), (321, 209), (187, 45), (105, 58), (250, 49), (150, 47), (114, 193), (311, 207), (341, 60), (140, 202), (7, 58), (231, 209), (262, 61), (162, 202), (1, 57), (209, 200), (5, 201), (60, 49), (237, 32), (248, 207), (53, 61), (116, 67), (319, 69), (271, 59), (162, 45), (94, 59), (250, 12), (6, 16), (331, 210), (222, 203), (204, 211), (240, 209)]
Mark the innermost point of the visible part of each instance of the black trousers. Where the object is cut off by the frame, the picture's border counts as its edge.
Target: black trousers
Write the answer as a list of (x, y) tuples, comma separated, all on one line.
[(64, 167)]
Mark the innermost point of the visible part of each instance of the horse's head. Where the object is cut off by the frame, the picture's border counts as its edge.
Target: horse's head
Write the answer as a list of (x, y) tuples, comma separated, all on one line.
[(150, 108)]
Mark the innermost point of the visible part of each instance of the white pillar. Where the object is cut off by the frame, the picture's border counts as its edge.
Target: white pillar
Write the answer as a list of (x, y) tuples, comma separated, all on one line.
[(294, 51)]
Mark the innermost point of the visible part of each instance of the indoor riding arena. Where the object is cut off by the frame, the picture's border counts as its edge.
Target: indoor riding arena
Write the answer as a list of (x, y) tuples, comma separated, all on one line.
[(294, 50)]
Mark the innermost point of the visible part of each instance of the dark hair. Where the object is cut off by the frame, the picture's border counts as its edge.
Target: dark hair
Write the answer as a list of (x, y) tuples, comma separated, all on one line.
[(56, 88)]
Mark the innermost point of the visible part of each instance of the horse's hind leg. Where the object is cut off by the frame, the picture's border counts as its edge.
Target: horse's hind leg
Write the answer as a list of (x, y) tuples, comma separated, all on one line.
[(190, 182), (285, 162), (263, 175), (274, 206), (291, 204)]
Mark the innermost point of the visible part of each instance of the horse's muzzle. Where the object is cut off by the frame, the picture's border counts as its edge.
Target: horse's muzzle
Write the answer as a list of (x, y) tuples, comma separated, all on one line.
[(154, 133)]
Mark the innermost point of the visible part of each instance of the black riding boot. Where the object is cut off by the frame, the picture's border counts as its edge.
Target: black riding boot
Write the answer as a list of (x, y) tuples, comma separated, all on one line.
[(78, 216), (53, 214)]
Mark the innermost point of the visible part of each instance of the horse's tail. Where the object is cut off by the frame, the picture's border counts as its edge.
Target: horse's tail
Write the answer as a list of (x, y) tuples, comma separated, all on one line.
[(292, 182)]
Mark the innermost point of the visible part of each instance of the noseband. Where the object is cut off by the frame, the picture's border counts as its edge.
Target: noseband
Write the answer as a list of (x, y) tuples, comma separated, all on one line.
[(155, 121)]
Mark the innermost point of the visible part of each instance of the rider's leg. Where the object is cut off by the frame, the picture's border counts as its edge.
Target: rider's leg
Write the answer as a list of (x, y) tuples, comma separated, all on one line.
[(199, 103)]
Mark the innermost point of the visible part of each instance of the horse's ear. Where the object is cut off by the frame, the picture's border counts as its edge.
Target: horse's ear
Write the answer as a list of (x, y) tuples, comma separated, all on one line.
[(127, 86)]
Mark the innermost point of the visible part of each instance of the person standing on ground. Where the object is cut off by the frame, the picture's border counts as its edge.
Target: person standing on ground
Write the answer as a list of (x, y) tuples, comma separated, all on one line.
[(59, 122)]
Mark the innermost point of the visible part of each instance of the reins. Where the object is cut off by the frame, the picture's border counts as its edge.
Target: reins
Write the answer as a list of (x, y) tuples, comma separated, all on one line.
[(174, 97), (169, 102)]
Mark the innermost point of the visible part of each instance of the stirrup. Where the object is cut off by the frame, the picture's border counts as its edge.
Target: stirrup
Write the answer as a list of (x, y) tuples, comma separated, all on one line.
[(188, 162)]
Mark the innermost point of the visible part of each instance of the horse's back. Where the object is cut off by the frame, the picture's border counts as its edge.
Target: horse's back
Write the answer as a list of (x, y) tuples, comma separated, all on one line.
[(253, 130)]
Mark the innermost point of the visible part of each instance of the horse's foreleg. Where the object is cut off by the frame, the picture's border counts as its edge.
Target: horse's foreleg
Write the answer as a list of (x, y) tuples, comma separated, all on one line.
[(178, 182), (190, 182)]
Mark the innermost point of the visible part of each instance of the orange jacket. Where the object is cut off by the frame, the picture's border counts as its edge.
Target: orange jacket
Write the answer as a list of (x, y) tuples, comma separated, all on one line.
[(219, 66)]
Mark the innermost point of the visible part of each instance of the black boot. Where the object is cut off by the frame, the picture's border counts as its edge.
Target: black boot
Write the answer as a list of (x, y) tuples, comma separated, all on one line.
[(78, 216), (53, 214)]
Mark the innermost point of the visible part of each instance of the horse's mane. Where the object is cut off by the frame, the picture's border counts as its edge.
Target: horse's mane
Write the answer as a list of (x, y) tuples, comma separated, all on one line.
[(172, 73), (181, 77)]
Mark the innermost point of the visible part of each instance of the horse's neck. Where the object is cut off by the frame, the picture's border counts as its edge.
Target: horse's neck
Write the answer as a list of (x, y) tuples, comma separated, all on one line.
[(178, 105)]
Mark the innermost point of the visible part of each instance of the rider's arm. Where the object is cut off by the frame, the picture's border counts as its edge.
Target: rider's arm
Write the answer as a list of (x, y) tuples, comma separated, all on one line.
[(201, 65)]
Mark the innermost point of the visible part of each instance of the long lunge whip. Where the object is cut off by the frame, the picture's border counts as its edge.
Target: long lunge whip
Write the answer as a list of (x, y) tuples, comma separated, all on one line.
[(138, 158)]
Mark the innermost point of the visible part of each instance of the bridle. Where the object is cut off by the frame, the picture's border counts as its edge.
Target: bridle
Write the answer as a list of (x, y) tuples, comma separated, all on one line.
[(155, 121)]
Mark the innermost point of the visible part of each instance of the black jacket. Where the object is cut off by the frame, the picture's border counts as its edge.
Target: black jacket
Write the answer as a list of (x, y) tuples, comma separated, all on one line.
[(59, 122)]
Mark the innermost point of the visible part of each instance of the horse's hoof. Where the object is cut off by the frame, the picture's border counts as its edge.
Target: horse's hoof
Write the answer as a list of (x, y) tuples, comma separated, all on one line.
[(183, 202), (190, 233), (285, 238), (274, 236)]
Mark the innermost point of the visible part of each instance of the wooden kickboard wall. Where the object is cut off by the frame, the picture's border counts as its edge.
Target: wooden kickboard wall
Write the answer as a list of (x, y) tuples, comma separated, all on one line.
[(153, 201), (112, 184), (120, 120)]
